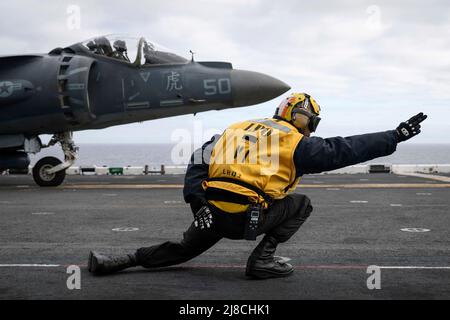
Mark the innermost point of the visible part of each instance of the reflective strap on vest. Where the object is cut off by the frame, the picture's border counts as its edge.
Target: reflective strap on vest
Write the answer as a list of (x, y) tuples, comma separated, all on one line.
[(216, 194), (225, 195), (273, 124)]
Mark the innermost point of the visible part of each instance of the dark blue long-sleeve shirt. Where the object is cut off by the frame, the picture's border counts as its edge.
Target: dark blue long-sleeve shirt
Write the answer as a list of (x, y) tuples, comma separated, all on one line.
[(312, 155), (315, 155)]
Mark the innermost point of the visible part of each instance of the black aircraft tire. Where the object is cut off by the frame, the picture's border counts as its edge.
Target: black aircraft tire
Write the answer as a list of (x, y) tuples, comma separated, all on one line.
[(44, 180)]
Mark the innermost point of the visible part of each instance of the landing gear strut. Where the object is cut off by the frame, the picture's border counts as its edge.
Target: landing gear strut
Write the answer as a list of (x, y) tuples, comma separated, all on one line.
[(50, 171)]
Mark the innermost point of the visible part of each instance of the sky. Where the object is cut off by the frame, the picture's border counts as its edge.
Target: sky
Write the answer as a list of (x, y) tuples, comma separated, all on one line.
[(369, 64)]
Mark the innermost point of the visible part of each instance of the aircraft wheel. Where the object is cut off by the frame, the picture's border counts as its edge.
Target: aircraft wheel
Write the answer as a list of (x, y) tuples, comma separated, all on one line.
[(42, 178)]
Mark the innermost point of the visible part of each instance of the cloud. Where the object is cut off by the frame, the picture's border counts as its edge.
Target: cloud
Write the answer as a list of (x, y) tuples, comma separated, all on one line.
[(368, 64)]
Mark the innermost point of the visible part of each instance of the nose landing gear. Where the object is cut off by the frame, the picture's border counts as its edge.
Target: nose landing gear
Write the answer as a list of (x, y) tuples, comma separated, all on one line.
[(45, 179), (50, 171)]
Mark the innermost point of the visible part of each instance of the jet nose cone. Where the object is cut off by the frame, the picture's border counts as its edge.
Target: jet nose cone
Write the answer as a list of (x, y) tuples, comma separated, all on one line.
[(251, 88)]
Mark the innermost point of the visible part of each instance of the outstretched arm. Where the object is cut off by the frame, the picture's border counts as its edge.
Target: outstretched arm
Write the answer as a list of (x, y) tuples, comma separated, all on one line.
[(315, 155)]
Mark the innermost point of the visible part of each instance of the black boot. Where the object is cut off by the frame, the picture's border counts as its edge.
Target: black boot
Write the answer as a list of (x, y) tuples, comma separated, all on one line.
[(263, 265), (105, 264)]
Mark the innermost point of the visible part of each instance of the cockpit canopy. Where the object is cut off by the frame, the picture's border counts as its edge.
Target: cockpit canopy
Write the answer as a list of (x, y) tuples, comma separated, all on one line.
[(133, 50)]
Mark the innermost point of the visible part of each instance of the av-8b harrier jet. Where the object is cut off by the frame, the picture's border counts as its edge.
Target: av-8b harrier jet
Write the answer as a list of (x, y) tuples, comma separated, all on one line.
[(104, 82)]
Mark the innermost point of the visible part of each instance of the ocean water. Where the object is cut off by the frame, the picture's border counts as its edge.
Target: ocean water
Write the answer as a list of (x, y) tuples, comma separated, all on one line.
[(168, 154)]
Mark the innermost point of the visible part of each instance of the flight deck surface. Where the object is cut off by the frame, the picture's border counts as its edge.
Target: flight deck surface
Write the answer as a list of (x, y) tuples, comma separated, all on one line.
[(357, 222)]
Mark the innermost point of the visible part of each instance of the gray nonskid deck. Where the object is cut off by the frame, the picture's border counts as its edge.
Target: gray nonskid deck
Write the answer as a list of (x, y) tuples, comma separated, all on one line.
[(349, 230)]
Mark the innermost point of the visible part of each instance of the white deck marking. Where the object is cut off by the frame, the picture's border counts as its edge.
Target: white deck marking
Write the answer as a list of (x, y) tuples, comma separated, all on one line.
[(429, 176), (212, 266), (301, 186), (282, 259), (396, 205), (417, 230), (413, 267), (359, 201), (378, 205), (125, 229), (42, 213), (423, 194), (333, 189), (29, 265)]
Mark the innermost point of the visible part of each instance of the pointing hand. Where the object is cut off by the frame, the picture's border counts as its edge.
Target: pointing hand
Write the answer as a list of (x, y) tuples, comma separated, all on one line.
[(411, 128)]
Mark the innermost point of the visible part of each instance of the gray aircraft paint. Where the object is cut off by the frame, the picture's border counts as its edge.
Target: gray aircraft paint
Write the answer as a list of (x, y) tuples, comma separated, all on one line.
[(73, 89)]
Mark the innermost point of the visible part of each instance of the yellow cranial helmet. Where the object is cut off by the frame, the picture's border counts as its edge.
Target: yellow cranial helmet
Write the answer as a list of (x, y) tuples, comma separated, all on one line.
[(299, 103), (297, 100)]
